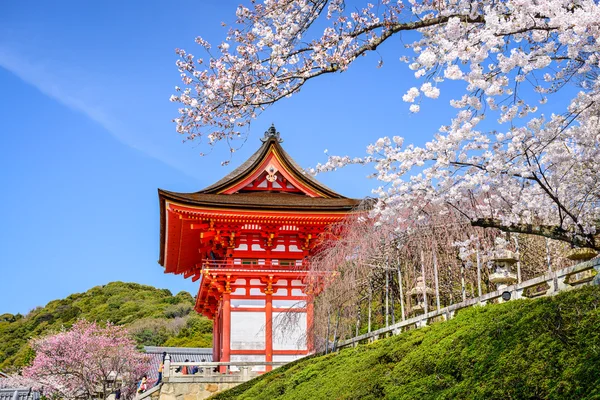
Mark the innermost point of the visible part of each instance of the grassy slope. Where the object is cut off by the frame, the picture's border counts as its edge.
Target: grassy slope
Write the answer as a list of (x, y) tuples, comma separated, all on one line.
[(527, 349), (153, 316)]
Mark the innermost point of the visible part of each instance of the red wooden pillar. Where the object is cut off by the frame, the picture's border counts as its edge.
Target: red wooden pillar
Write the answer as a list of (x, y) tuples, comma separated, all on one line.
[(226, 317), (310, 308), (216, 339), (220, 348), (269, 329)]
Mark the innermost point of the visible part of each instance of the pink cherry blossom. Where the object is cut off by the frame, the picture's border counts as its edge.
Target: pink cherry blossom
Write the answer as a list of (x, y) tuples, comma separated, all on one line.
[(85, 361)]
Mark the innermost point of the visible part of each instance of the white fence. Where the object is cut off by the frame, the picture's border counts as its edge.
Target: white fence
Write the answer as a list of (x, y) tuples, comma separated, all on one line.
[(545, 285), (232, 371)]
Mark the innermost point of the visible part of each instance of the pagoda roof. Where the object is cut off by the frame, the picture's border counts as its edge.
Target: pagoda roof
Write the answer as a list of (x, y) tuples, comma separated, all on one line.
[(271, 142), (298, 192), (225, 193)]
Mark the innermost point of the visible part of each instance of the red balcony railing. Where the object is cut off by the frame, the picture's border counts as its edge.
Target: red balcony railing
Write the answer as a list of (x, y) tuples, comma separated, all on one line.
[(266, 264)]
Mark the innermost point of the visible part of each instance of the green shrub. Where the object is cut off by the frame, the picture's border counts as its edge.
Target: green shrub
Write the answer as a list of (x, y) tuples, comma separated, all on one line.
[(526, 349), (178, 310), (196, 333), (7, 318)]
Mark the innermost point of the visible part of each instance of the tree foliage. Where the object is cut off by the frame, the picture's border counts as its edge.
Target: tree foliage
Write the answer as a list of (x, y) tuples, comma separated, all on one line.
[(152, 316), (197, 332)]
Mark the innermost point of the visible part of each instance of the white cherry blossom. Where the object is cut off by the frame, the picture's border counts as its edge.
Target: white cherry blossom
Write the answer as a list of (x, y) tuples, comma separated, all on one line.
[(525, 170)]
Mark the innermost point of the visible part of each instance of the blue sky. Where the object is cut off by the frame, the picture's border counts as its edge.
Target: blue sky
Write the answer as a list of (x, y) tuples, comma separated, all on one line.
[(86, 136)]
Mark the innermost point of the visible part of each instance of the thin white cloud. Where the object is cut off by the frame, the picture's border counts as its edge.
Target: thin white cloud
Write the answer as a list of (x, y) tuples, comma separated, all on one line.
[(60, 88)]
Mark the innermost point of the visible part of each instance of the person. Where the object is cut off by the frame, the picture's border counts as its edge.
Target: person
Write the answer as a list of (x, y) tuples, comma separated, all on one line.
[(192, 369), (184, 369), (143, 384), (161, 368), (118, 394)]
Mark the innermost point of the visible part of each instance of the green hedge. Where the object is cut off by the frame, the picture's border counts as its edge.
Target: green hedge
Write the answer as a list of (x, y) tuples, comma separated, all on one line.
[(527, 349)]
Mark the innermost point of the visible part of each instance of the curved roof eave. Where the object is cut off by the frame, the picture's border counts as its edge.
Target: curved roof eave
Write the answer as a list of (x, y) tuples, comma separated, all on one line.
[(255, 159)]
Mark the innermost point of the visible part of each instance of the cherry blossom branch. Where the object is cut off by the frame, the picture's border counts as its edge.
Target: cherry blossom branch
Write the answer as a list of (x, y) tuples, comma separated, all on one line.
[(551, 232), (522, 167)]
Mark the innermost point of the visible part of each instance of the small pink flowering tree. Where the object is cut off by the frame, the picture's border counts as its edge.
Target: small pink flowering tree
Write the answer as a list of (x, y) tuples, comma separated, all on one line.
[(87, 361)]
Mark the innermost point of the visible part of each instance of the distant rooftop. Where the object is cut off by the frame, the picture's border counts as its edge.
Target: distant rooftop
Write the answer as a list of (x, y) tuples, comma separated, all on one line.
[(19, 394)]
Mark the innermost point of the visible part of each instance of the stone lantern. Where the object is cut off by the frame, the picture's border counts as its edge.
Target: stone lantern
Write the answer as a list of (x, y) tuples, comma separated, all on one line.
[(416, 293), (503, 276), (581, 254)]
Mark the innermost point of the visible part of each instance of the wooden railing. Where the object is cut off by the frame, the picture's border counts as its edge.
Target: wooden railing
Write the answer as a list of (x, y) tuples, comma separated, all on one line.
[(253, 264), (545, 285)]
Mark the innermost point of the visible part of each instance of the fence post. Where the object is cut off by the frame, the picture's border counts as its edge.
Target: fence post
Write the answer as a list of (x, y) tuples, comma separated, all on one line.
[(518, 253), (479, 293), (370, 298), (167, 366), (435, 277), (245, 372), (425, 305), (400, 291), (387, 296), (548, 257)]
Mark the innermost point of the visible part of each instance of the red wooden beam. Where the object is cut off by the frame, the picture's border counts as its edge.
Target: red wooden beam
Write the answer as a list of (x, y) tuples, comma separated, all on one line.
[(173, 241), (199, 226)]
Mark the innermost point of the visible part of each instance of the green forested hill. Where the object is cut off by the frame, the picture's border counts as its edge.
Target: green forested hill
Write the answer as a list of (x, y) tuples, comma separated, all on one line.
[(153, 317), (526, 349)]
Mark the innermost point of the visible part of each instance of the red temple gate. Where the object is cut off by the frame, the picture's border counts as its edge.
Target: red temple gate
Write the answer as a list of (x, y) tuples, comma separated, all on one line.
[(246, 238)]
